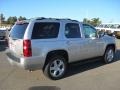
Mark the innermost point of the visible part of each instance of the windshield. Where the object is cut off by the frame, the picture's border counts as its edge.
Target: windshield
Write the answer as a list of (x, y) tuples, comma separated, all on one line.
[(18, 31)]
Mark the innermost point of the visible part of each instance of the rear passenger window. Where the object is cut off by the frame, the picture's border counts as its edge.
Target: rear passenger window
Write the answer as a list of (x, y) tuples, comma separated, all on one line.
[(72, 30), (45, 30)]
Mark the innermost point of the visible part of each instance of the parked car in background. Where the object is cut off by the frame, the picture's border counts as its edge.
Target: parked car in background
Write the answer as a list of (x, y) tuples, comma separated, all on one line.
[(2, 33), (51, 44), (110, 29)]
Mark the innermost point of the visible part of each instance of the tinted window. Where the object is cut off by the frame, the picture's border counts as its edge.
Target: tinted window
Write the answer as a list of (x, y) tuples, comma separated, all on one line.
[(89, 31), (18, 31), (45, 30), (72, 30)]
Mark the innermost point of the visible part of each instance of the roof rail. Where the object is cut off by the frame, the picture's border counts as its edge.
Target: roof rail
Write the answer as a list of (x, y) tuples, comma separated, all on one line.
[(40, 18), (75, 20), (72, 20)]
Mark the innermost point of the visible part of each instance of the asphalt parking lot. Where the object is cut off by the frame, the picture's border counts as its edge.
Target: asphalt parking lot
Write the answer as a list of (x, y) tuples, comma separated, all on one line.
[(88, 76)]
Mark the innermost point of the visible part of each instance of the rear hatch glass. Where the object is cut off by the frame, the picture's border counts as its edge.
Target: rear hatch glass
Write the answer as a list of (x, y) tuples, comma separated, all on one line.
[(18, 31)]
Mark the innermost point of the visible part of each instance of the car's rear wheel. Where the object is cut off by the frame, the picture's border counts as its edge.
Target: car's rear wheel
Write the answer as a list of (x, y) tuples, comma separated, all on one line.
[(109, 55), (56, 67)]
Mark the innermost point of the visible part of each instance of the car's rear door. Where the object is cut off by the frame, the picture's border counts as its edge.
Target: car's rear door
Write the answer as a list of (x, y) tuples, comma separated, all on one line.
[(75, 43)]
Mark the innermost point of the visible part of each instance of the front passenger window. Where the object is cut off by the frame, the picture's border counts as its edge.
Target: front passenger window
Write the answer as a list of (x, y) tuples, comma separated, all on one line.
[(89, 31)]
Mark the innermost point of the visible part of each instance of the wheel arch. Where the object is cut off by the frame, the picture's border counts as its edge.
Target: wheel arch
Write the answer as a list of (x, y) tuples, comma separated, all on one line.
[(111, 45), (61, 52)]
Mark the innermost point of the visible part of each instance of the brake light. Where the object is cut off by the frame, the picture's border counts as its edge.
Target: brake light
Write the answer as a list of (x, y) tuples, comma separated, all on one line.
[(27, 51)]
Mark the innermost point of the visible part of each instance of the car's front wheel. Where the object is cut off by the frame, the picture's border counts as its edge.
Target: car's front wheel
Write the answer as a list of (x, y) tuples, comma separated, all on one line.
[(109, 55), (56, 67)]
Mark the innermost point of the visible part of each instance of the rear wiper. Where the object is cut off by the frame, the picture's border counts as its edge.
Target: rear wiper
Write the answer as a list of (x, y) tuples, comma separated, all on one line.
[(14, 39)]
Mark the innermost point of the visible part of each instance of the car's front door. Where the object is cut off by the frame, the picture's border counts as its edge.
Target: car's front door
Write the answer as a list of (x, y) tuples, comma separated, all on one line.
[(94, 43)]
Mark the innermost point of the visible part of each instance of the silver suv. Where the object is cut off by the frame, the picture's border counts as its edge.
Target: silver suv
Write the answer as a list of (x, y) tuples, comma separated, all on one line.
[(51, 44)]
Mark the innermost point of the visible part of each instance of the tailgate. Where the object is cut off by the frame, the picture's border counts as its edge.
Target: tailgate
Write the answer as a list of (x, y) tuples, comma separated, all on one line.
[(16, 46), (16, 38)]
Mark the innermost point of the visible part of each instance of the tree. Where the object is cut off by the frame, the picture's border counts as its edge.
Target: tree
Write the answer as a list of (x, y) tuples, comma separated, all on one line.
[(2, 18), (21, 18), (85, 20), (93, 21), (11, 20)]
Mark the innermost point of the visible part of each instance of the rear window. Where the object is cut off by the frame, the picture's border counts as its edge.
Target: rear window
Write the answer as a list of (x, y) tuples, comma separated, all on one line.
[(18, 31), (45, 30)]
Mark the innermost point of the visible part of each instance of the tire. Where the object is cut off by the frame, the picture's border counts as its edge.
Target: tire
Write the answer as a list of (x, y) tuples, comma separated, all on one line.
[(109, 55), (56, 67)]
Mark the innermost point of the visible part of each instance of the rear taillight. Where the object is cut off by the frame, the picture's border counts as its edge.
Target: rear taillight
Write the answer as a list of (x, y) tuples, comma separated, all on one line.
[(27, 51)]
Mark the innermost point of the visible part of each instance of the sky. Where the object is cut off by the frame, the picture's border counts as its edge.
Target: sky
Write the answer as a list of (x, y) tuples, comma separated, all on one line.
[(106, 10)]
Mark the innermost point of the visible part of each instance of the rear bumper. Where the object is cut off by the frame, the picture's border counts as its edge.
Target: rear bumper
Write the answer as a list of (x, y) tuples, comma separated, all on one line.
[(27, 63)]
